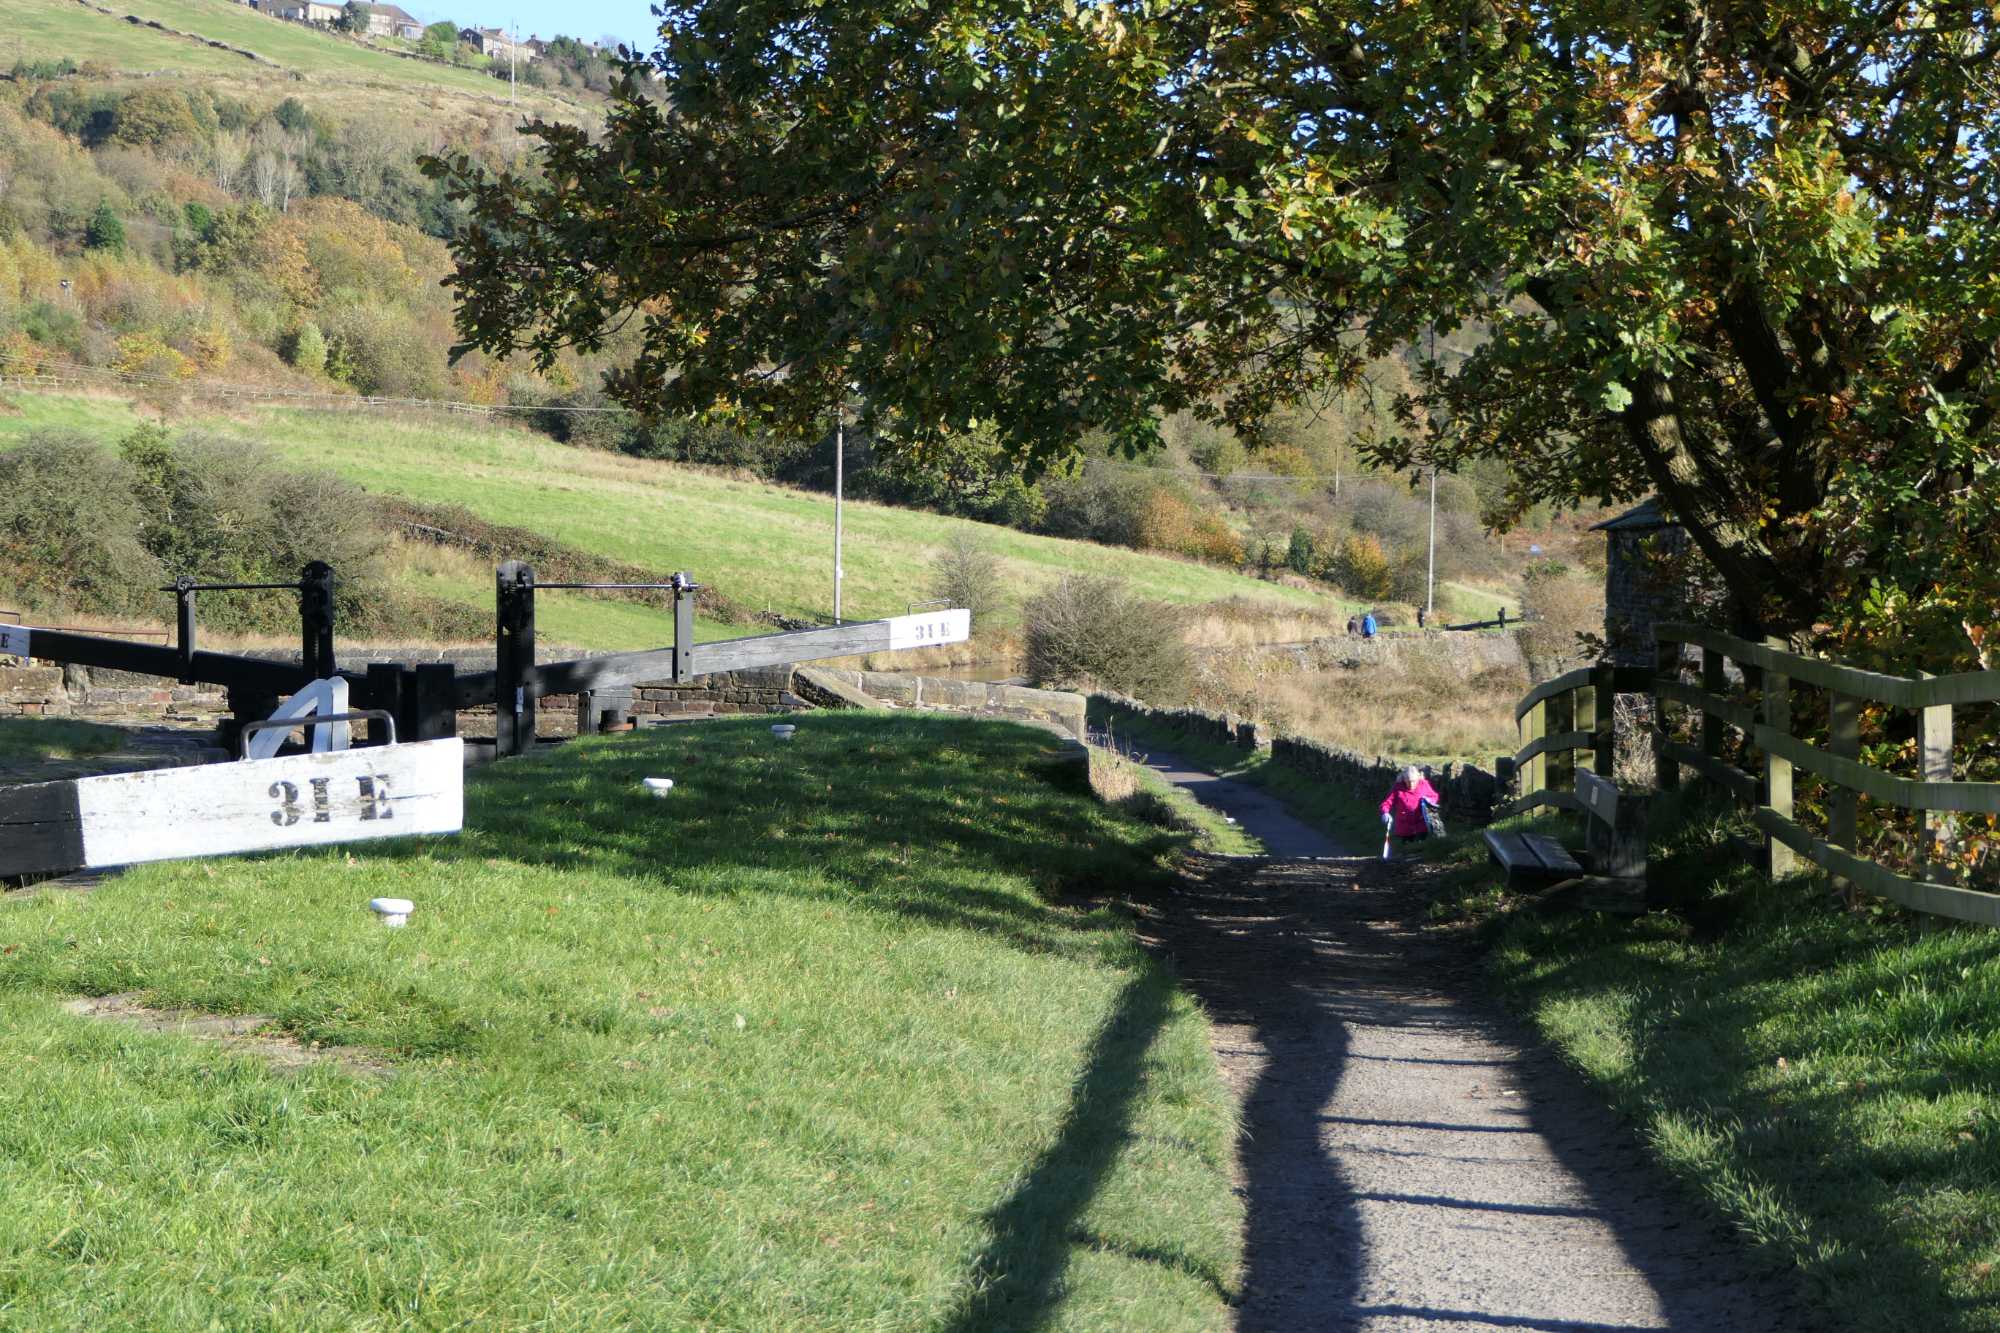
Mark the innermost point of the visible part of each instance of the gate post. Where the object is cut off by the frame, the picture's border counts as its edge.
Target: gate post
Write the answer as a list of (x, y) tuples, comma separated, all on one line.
[(514, 654), (316, 618), (684, 587), (436, 701)]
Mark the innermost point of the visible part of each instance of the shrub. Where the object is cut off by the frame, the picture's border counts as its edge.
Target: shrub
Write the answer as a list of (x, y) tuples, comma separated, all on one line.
[(218, 510), (1102, 502), (1085, 631), (965, 572), (1563, 610), (70, 525), (106, 230), (308, 349), (1363, 569), (1299, 553)]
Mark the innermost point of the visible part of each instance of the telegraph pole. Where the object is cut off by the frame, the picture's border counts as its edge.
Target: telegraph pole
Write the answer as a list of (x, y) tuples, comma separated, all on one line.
[(839, 467), (1431, 573)]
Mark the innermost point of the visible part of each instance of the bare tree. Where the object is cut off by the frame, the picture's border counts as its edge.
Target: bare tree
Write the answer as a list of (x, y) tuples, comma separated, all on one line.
[(231, 151), (264, 178)]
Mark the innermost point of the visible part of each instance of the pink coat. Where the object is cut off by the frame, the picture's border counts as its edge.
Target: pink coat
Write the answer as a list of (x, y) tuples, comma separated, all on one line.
[(1405, 804)]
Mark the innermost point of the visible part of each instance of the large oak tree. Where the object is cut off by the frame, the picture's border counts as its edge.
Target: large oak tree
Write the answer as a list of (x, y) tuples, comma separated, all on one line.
[(1745, 256)]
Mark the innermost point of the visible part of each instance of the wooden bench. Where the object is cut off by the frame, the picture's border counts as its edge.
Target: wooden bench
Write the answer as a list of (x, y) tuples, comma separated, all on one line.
[(1614, 840), (1529, 856)]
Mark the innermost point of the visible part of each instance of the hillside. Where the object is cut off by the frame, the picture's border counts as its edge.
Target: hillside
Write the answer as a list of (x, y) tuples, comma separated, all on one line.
[(764, 547), (331, 67)]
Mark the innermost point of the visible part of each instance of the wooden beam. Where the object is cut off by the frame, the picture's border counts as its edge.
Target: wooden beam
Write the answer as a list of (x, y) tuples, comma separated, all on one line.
[(1918, 895), (1548, 689), (249, 806), (1934, 745), (762, 650), (1737, 783), (1739, 715), (152, 659)]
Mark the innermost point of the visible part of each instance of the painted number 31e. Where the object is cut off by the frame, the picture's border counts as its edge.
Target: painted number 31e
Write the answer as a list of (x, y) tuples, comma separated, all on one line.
[(374, 793)]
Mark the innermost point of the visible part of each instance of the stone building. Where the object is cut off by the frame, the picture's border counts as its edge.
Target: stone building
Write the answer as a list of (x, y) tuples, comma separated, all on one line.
[(1642, 546), (1645, 582)]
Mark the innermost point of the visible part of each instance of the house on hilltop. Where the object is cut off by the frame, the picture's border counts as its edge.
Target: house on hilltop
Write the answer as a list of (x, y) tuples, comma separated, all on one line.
[(392, 21), (494, 43), (306, 11)]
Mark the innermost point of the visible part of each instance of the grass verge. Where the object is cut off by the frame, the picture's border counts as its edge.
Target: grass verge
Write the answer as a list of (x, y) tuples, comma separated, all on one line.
[(26, 739), (839, 1035), (1829, 1080), (1147, 796), (1354, 823)]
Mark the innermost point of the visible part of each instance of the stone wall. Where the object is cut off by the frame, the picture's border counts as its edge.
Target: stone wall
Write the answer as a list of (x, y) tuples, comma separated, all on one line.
[(1215, 728), (1466, 792), (1059, 709), (30, 689)]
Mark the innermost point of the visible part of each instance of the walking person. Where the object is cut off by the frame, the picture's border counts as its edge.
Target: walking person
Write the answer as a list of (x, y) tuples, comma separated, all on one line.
[(1403, 814), (1368, 626)]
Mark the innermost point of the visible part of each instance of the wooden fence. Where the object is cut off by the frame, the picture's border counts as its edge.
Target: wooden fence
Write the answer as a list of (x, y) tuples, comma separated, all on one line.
[(1747, 687)]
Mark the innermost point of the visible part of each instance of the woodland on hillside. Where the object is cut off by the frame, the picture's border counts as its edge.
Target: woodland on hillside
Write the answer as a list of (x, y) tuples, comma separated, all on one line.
[(175, 243)]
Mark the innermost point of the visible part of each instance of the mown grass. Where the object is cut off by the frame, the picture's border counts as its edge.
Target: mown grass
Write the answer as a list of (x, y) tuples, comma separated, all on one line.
[(765, 547), (836, 1036), (34, 738), (1829, 1080)]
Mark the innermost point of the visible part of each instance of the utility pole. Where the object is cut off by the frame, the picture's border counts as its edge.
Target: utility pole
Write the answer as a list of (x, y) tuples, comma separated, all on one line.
[(1431, 574), (839, 467), (513, 32)]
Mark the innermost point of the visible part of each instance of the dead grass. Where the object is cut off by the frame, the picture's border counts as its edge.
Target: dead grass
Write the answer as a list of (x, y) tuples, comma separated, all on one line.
[(1425, 709), (250, 1034)]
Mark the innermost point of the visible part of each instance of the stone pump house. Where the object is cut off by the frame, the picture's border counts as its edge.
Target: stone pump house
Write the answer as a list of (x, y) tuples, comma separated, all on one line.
[(1645, 582)]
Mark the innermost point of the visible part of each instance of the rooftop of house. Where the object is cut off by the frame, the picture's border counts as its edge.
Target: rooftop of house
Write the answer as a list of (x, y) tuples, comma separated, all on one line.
[(1639, 518)]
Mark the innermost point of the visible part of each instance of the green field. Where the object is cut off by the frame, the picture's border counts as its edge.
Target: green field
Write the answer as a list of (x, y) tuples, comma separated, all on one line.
[(52, 29), (765, 547), (833, 1037)]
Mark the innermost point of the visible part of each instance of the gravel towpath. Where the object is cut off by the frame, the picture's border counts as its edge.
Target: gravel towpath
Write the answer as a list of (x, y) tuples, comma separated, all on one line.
[(1410, 1159)]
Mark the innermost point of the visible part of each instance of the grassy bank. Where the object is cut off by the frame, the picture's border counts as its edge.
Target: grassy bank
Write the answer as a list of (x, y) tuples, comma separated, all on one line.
[(832, 1037), (35, 738), (1828, 1080), (764, 547)]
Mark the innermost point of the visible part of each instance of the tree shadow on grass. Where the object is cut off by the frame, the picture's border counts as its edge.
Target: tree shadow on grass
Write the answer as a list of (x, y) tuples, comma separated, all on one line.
[(1016, 1282), (922, 818)]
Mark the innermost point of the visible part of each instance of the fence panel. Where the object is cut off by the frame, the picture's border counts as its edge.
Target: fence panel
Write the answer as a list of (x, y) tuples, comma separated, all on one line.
[(1573, 712)]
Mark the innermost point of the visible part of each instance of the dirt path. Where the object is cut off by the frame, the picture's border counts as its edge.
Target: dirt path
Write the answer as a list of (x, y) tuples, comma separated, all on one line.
[(1409, 1160)]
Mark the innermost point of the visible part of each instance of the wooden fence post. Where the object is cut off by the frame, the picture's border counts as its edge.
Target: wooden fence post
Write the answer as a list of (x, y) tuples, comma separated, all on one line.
[(1714, 679), (1604, 720), (316, 619), (1560, 775), (1843, 804), (683, 627), (1779, 860), (1666, 664), (1535, 725), (514, 653), (1934, 744)]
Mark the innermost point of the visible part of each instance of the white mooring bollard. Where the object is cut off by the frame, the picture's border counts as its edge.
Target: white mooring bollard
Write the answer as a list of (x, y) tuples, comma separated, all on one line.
[(657, 786), (783, 730), (393, 911)]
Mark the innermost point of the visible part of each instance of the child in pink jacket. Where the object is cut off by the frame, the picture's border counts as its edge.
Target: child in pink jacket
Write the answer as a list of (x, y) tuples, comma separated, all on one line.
[(1403, 808)]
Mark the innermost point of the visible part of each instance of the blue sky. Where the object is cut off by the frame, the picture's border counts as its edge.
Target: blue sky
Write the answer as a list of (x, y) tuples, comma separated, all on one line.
[(627, 20)]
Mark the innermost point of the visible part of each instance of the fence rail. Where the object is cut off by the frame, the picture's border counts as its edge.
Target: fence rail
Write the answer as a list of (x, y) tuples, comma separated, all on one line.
[(1747, 687)]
